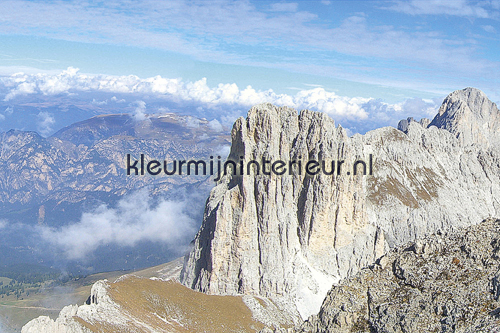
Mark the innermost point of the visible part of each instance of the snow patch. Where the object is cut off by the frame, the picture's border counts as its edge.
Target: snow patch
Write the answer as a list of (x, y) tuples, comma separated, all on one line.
[(312, 292)]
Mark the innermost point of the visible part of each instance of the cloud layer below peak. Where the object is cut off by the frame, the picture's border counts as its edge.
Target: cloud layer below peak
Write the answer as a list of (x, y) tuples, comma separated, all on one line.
[(71, 81), (134, 219)]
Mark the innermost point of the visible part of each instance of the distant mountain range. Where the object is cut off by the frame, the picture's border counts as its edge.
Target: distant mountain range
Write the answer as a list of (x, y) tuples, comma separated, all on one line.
[(52, 181), (47, 114)]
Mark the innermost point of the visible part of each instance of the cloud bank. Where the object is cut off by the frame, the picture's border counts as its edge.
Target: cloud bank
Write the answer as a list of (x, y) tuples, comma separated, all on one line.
[(134, 219), (227, 95), (139, 113), (45, 122), (444, 7)]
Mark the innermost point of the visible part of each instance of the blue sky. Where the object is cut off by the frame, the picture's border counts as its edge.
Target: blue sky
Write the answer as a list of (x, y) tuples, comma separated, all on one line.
[(389, 51)]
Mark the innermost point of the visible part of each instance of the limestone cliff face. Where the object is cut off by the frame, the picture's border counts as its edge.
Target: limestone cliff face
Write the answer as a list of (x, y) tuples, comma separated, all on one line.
[(276, 235), (290, 237)]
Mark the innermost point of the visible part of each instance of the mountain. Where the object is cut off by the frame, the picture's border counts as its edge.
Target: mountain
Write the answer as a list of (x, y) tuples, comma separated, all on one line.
[(291, 237), (287, 237), (470, 116), (91, 156), (53, 181)]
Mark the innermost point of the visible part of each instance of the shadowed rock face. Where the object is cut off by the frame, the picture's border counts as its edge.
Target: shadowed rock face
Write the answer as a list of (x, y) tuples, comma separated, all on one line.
[(291, 237)]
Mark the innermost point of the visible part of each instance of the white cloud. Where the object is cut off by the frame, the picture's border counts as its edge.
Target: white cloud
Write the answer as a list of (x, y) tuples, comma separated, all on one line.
[(139, 113), (71, 81), (134, 219), (45, 122), (331, 103), (215, 125), (418, 107), (441, 7), (224, 96), (116, 100), (222, 151), (284, 7), (3, 224), (96, 102), (489, 28), (163, 109), (47, 84), (9, 110), (192, 122)]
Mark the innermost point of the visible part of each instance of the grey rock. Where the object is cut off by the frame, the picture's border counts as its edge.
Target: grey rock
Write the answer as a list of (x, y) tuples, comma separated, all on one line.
[(470, 116), (403, 124), (291, 237), (424, 122)]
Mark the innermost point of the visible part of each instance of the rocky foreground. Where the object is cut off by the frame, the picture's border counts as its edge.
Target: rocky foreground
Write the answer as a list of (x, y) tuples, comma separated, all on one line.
[(444, 283)]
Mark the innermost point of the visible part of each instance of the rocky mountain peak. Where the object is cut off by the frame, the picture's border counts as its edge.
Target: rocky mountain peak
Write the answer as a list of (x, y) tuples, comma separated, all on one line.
[(470, 116), (290, 237)]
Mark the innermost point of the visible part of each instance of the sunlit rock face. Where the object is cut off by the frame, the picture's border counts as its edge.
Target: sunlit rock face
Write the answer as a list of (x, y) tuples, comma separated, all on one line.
[(290, 237)]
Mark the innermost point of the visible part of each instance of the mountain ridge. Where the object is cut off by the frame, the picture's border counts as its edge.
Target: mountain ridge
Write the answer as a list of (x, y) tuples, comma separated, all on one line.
[(301, 233)]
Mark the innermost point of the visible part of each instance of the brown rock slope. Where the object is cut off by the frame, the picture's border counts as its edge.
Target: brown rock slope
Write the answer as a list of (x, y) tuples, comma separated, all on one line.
[(149, 301)]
